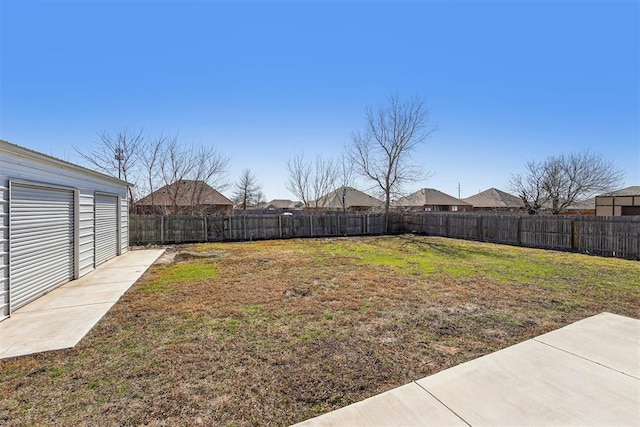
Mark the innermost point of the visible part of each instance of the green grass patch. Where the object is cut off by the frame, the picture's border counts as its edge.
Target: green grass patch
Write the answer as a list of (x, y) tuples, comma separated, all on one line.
[(181, 272), (195, 270), (466, 259)]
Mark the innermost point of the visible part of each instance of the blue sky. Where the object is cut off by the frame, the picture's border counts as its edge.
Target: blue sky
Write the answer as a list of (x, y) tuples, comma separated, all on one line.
[(506, 81)]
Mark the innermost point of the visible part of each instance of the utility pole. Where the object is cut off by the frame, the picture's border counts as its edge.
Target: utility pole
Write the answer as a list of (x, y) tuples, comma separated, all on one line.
[(458, 190), (119, 158)]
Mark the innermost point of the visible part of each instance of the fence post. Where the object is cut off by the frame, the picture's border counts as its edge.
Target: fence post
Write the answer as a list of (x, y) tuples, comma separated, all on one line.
[(519, 231), (575, 238), (244, 226), (311, 225), (479, 228), (446, 226), (162, 230), (280, 224)]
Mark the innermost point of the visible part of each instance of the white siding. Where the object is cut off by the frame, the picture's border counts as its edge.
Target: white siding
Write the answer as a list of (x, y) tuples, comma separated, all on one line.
[(124, 225), (4, 247), (22, 165), (85, 232)]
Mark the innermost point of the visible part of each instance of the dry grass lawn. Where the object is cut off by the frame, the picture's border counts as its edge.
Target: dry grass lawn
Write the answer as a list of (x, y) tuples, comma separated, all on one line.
[(274, 332)]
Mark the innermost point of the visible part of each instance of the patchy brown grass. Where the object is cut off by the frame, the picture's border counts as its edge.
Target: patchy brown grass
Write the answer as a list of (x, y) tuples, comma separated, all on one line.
[(271, 333)]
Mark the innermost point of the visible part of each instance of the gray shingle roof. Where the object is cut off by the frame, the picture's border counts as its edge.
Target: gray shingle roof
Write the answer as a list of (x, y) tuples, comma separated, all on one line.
[(282, 204), (429, 196), (634, 190), (352, 198), (185, 190), (494, 198)]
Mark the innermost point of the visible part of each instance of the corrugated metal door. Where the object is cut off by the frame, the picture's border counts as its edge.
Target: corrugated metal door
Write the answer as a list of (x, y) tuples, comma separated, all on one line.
[(106, 227), (41, 252)]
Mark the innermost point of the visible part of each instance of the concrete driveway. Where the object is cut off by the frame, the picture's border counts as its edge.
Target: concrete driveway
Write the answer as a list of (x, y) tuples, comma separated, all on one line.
[(61, 318)]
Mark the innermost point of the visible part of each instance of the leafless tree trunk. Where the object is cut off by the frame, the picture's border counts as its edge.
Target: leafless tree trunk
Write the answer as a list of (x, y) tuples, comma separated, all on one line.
[(310, 180), (345, 178), (564, 180), (323, 180), (299, 178), (381, 152), (116, 154), (177, 164), (247, 189), (530, 187), (150, 161)]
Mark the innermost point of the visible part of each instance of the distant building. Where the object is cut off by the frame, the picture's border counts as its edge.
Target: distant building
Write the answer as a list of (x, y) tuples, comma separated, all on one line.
[(185, 197), (348, 199), (584, 207), (495, 200), (431, 200), (618, 203), (283, 205)]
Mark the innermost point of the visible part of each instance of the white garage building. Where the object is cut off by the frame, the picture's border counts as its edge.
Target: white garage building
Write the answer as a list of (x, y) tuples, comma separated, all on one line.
[(58, 221)]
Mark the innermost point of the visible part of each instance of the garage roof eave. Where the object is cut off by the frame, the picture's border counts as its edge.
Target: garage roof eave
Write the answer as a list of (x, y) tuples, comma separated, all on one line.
[(18, 150)]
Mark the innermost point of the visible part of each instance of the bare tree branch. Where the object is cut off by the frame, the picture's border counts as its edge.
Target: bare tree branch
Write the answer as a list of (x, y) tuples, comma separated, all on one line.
[(310, 180), (150, 160), (299, 178), (382, 151), (247, 190), (116, 154), (564, 180)]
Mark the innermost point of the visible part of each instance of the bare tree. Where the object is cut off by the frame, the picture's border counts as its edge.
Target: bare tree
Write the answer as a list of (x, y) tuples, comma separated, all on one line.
[(116, 154), (530, 187), (564, 180), (260, 198), (247, 190), (323, 180), (299, 178), (345, 178), (210, 168), (185, 170), (150, 160), (382, 151), (310, 180)]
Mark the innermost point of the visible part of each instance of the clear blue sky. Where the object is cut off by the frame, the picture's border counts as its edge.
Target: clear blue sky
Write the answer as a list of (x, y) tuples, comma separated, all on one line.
[(506, 81)]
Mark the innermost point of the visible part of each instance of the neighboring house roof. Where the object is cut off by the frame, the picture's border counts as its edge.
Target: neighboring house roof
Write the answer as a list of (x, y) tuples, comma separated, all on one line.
[(283, 204), (629, 191), (494, 198), (427, 197), (352, 198), (584, 205), (185, 190)]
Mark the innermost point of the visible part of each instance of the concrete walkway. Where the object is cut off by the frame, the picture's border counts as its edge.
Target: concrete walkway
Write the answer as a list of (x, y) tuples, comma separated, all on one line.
[(587, 373), (61, 318)]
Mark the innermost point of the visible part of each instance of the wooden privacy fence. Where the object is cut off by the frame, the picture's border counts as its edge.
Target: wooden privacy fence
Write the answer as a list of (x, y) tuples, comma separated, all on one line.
[(607, 236), (169, 229)]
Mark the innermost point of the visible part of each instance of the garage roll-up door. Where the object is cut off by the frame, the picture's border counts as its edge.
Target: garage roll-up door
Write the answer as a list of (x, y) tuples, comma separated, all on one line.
[(41, 230), (106, 227)]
